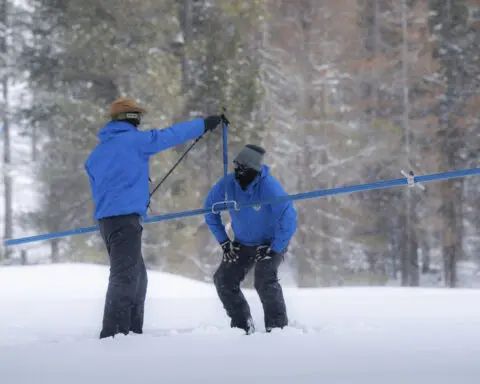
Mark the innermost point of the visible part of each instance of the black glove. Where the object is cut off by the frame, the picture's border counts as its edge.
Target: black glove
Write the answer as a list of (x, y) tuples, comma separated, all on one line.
[(212, 122), (225, 120), (264, 253), (230, 252)]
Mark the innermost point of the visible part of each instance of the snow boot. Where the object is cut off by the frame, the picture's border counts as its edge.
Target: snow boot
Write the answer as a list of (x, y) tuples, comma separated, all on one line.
[(269, 329), (250, 329), (248, 326), (105, 333)]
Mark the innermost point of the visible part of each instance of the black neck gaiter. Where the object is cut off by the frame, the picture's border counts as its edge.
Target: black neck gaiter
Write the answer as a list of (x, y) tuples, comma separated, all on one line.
[(245, 176)]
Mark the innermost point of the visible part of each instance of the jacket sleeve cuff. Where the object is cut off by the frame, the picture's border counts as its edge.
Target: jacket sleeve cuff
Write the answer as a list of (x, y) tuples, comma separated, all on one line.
[(277, 248), (222, 237)]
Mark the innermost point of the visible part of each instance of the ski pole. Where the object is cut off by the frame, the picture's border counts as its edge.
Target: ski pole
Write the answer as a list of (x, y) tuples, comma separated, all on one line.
[(225, 123), (173, 168)]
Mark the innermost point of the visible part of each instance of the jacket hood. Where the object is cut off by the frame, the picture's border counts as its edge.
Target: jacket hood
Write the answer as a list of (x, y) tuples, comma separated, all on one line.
[(264, 172), (114, 128)]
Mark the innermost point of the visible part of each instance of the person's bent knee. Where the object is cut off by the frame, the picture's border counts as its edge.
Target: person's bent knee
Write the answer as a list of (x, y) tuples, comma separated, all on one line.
[(261, 284), (263, 281), (222, 281), (218, 278)]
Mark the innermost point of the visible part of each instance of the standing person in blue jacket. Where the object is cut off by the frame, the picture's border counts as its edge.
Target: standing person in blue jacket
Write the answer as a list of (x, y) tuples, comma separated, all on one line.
[(119, 178), (261, 237)]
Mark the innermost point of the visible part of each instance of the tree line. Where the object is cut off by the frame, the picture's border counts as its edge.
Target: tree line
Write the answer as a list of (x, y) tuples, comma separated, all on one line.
[(339, 93)]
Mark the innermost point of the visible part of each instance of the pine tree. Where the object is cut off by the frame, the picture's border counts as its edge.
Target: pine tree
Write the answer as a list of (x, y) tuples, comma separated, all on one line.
[(219, 67), (83, 56), (449, 25), (11, 44), (5, 110), (316, 135)]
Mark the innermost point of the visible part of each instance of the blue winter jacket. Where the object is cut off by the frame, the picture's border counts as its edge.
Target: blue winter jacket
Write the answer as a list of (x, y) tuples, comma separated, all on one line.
[(272, 224), (118, 166)]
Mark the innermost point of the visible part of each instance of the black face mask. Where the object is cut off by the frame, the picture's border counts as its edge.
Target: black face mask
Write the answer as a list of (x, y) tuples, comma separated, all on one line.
[(134, 122), (245, 176), (133, 118)]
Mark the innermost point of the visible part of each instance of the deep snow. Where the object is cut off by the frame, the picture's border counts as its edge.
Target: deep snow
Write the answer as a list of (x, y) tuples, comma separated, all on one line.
[(50, 317)]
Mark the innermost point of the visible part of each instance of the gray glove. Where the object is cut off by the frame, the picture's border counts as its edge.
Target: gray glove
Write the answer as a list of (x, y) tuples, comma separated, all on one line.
[(230, 252), (264, 253)]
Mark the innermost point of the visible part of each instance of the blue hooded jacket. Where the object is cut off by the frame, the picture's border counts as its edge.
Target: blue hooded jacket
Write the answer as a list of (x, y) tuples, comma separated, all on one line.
[(272, 224), (118, 166)]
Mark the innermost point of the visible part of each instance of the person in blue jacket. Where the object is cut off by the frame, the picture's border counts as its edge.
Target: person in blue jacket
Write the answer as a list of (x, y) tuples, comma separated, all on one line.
[(261, 237), (119, 179)]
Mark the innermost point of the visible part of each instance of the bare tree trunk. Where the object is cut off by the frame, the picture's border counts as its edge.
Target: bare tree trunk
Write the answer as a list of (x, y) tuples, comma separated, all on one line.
[(448, 192), (408, 195), (425, 254), (186, 23), (449, 234), (376, 31), (459, 186), (7, 178), (405, 249), (34, 142), (410, 272), (24, 257), (54, 250), (414, 270)]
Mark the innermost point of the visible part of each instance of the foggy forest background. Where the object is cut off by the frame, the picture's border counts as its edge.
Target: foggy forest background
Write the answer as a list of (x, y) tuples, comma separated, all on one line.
[(338, 92)]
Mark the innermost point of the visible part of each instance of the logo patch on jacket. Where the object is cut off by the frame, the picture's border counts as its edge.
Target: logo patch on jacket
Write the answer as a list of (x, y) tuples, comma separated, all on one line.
[(257, 207)]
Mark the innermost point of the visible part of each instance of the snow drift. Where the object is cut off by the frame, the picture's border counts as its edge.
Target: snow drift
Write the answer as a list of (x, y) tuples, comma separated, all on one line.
[(51, 315)]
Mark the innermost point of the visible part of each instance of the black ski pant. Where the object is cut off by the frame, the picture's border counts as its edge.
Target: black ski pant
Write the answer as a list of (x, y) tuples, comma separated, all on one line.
[(228, 278), (127, 284)]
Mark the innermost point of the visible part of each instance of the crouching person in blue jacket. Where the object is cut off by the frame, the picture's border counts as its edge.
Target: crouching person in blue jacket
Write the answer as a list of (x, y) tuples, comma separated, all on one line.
[(261, 237), (119, 179)]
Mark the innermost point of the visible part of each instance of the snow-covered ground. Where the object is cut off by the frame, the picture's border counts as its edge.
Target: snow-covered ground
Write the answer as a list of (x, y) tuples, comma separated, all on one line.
[(50, 317)]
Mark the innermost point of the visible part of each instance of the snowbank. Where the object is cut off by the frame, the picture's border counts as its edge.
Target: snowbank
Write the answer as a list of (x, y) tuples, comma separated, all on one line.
[(83, 281), (51, 315)]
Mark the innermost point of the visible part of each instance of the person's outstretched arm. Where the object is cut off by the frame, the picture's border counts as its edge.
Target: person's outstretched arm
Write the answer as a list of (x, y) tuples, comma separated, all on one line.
[(157, 140)]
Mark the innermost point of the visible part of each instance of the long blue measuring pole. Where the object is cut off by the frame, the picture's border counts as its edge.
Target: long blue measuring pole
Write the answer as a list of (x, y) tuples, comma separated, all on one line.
[(225, 156), (224, 206)]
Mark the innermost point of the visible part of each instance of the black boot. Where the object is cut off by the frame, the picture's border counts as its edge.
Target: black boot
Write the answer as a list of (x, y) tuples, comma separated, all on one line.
[(268, 329), (138, 309), (248, 326), (105, 333)]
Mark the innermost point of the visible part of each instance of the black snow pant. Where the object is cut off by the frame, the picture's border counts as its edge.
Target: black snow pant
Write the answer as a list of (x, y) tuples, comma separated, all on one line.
[(228, 278), (127, 284)]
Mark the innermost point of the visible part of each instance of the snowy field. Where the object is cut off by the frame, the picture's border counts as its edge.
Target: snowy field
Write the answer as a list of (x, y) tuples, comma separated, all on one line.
[(50, 317)]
